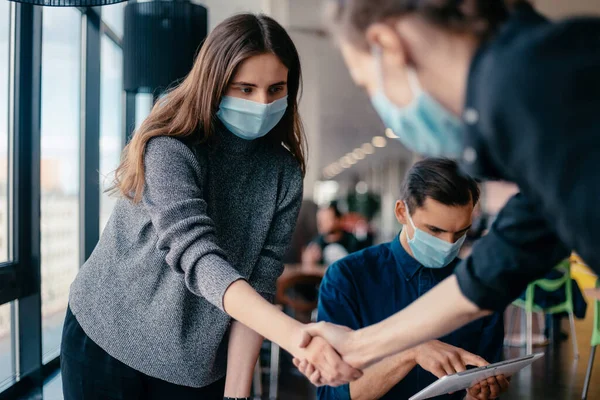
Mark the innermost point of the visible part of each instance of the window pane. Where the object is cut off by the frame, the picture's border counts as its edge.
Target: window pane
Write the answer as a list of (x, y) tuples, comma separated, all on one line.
[(111, 122), (61, 57), (4, 32), (113, 16), (6, 347)]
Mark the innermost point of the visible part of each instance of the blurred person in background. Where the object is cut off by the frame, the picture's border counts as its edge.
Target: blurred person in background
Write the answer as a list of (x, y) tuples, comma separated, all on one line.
[(333, 242), (176, 297), (514, 96), (436, 210)]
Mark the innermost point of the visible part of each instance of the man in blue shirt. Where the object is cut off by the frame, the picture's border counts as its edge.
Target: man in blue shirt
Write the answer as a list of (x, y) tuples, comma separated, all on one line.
[(369, 286)]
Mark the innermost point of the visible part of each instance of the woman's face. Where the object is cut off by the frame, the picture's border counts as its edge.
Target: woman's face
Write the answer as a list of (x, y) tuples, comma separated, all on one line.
[(262, 79)]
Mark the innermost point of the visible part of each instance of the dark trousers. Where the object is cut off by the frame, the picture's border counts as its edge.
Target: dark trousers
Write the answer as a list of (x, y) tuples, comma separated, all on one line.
[(89, 373)]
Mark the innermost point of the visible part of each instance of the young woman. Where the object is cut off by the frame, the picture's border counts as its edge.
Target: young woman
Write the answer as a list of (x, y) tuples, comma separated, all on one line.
[(211, 185), (527, 91)]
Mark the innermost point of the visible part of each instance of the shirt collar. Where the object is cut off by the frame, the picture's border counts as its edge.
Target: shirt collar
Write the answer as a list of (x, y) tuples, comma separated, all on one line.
[(407, 265)]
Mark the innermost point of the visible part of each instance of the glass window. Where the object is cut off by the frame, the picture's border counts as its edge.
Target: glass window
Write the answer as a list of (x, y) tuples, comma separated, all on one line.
[(111, 122), (6, 347), (4, 34), (61, 63), (113, 16)]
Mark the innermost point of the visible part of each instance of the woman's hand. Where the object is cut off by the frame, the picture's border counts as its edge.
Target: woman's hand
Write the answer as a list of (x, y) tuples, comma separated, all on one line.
[(322, 365), (341, 338)]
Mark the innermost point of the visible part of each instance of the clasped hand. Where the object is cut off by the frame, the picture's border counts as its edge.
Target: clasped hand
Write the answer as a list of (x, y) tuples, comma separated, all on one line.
[(439, 358)]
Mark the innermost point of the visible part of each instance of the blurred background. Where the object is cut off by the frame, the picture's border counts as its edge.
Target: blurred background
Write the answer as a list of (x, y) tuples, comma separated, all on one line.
[(65, 117)]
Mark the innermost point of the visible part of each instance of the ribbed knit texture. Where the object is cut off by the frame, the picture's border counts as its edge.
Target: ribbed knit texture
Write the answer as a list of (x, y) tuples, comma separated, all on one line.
[(151, 293)]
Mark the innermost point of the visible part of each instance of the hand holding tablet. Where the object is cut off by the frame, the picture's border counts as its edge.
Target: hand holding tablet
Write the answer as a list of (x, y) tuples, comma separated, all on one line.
[(472, 377)]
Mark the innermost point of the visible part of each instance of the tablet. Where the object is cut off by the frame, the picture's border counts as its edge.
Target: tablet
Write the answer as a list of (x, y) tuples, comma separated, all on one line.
[(466, 379)]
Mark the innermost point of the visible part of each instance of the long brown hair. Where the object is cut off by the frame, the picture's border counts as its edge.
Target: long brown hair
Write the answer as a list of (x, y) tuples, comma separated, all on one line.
[(188, 112), (482, 18)]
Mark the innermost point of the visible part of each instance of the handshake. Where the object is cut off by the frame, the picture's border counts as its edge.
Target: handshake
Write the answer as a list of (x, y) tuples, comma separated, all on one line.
[(333, 355)]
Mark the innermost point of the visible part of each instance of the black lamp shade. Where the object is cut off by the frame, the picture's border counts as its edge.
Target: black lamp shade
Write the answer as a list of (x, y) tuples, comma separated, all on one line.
[(69, 3), (160, 42)]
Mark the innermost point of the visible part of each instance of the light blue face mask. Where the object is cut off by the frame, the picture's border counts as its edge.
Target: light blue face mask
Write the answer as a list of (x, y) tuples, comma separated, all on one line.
[(248, 119), (430, 251), (423, 126)]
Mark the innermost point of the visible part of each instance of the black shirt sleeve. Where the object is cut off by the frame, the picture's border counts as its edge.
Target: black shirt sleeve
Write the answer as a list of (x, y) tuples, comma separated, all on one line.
[(518, 249), (537, 100)]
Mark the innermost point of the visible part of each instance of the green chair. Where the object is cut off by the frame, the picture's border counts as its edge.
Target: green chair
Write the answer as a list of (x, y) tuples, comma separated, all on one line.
[(549, 285), (595, 342)]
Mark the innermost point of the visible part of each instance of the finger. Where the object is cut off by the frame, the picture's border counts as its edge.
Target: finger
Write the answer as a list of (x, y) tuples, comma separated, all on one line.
[(309, 370), (342, 371), (438, 371), (296, 362), (503, 382), (485, 390), (494, 387), (315, 378), (447, 366), (457, 363), (305, 338), (473, 359), (475, 390)]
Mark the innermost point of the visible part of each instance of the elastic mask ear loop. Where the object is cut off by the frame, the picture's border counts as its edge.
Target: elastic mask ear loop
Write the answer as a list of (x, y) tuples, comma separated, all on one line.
[(411, 221), (377, 54), (413, 81)]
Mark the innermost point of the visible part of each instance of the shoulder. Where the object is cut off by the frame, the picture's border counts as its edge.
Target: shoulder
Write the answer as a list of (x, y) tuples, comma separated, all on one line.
[(546, 59), (167, 149)]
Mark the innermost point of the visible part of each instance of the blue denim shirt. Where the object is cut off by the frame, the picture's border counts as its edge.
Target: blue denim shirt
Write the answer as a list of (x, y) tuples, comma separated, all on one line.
[(369, 286)]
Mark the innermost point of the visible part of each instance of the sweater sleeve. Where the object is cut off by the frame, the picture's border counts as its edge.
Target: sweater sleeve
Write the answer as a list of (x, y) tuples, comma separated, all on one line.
[(270, 264), (174, 199)]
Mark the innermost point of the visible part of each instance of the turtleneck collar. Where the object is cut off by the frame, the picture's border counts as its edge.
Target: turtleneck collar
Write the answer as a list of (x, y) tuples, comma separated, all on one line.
[(230, 143)]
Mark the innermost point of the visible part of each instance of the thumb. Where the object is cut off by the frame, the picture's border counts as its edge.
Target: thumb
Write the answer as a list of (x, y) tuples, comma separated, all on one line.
[(311, 330)]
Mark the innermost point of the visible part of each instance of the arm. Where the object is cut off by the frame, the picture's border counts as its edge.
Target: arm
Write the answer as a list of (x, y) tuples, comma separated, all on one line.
[(174, 200), (519, 248), (244, 343), (244, 347), (382, 377)]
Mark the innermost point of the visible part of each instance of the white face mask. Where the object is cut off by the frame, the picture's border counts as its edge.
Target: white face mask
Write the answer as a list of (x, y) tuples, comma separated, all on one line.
[(249, 119), (430, 251)]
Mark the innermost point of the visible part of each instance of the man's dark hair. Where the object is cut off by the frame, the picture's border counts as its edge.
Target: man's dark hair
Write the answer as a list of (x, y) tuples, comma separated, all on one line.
[(441, 180)]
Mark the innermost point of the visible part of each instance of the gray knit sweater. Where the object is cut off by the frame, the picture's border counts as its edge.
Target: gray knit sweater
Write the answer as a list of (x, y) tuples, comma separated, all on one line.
[(151, 294)]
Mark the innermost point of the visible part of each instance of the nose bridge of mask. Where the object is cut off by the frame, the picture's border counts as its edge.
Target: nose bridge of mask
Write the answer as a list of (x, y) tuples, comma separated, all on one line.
[(427, 238)]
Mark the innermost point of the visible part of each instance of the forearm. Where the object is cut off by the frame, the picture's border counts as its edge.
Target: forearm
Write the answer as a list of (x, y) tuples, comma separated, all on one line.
[(439, 312), (245, 305), (383, 376), (244, 347)]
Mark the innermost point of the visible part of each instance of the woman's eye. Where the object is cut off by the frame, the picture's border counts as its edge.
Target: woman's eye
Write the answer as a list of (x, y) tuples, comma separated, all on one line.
[(246, 90), (276, 89)]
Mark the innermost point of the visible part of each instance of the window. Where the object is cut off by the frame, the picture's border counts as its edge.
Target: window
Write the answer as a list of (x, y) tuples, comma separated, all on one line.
[(113, 16), (7, 369), (4, 64), (111, 121), (60, 128)]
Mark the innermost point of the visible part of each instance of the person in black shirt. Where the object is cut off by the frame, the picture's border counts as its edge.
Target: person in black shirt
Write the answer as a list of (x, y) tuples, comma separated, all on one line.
[(514, 96), (333, 242)]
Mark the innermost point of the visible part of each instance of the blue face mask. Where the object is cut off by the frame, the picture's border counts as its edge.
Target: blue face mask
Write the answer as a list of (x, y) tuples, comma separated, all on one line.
[(430, 251), (423, 126), (248, 119)]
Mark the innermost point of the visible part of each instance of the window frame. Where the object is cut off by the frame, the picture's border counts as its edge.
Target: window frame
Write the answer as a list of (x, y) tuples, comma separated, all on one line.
[(20, 278)]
